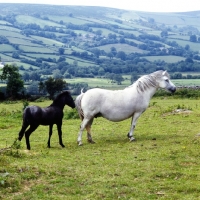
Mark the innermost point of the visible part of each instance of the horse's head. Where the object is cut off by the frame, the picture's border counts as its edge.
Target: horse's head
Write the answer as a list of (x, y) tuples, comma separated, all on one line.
[(165, 83)]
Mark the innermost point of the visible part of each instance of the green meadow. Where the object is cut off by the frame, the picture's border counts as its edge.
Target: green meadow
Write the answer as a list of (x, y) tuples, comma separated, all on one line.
[(163, 162)]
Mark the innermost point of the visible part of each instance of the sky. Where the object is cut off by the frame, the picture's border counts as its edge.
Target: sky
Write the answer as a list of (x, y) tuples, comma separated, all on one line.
[(136, 5)]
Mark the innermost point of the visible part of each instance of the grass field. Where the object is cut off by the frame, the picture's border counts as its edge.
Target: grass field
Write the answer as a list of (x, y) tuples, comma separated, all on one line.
[(100, 82), (29, 19), (163, 163), (193, 45), (186, 82), (168, 59), (122, 47)]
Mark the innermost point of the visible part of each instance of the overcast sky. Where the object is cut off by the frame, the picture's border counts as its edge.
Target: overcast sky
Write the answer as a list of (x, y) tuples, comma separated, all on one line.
[(139, 5)]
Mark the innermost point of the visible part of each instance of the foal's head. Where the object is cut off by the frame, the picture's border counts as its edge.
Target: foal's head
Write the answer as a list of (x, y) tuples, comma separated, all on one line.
[(64, 98)]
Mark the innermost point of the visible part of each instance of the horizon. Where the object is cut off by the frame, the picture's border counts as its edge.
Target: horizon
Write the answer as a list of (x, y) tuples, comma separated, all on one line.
[(141, 6)]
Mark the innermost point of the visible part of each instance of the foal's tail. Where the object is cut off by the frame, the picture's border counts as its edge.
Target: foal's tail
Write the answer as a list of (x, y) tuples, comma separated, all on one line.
[(25, 123), (78, 104)]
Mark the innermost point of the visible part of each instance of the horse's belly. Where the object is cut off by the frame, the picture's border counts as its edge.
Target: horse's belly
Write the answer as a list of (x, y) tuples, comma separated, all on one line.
[(117, 116)]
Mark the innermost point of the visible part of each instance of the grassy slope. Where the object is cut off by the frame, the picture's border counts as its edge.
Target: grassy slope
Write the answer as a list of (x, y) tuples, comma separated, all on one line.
[(162, 164)]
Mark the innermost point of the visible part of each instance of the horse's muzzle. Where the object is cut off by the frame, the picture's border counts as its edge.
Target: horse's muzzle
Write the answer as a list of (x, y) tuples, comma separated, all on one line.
[(172, 89)]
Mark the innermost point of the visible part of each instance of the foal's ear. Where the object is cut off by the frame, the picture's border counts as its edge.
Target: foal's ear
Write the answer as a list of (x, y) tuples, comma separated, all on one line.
[(164, 72)]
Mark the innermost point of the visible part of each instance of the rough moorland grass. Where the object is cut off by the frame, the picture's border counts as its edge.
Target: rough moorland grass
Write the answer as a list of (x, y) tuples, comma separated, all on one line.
[(163, 163)]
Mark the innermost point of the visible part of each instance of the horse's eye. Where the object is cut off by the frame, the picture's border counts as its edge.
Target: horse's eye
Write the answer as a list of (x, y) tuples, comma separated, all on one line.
[(167, 80)]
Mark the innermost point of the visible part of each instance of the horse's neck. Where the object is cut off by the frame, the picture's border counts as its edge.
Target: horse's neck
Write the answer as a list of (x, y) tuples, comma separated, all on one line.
[(150, 91), (147, 93)]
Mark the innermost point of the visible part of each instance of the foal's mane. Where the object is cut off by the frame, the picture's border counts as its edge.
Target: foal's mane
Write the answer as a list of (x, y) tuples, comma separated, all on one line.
[(147, 81)]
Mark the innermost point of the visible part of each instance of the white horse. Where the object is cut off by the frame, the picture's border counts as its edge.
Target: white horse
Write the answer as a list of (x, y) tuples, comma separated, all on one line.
[(119, 105)]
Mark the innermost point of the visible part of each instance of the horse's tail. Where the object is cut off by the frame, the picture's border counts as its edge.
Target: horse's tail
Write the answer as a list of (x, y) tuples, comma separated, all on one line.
[(78, 104)]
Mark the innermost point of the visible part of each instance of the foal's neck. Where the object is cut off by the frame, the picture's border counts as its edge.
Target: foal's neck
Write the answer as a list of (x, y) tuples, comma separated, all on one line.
[(59, 105)]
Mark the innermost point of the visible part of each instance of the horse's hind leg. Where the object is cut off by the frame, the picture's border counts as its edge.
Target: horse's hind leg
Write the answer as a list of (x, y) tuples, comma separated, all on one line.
[(88, 128), (28, 133), (83, 126)]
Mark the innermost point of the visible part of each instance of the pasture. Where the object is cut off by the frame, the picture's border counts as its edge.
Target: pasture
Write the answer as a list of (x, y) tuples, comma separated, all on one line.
[(163, 162), (168, 59)]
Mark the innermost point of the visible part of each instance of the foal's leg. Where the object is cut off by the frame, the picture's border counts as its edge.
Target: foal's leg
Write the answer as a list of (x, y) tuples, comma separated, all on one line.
[(88, 128), (23, 129), (50, 134), (133, 124), (82, 127), (59, 127), (28, 133)]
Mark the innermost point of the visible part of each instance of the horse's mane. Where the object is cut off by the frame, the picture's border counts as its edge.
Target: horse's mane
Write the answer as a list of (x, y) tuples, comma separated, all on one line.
[(147, 81)]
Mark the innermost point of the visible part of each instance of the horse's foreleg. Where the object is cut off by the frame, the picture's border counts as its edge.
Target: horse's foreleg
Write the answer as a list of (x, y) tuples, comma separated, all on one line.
[(82, 127), (133, 124), (59, 127), (88, 128), (50, 134), (28, 133)]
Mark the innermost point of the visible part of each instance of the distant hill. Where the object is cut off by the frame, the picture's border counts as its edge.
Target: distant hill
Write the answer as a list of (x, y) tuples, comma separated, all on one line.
[(83, 41)]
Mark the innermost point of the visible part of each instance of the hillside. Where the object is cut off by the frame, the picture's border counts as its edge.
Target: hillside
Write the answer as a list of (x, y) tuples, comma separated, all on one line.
[(79, 41)]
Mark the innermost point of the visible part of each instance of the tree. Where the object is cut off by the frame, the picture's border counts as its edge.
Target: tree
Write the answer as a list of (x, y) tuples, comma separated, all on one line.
[(121, 55), (164, 33), (193, 38), (33, 89), (54, 85), (61, 51), (14, 82), (118, 78)]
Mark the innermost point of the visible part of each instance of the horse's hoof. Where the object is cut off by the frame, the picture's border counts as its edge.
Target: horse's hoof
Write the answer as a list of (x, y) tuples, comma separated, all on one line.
[(63, 146), (91, 141), (132, 139), (80, 143)]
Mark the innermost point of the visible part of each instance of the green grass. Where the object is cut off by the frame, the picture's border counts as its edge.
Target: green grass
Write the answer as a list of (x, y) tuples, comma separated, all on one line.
[(163, 163)]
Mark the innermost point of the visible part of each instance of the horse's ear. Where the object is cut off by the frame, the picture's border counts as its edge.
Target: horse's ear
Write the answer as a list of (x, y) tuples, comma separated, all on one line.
[(164, 72)]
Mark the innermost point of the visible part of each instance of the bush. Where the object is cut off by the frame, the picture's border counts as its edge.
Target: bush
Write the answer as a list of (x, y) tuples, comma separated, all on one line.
[(72, 114)]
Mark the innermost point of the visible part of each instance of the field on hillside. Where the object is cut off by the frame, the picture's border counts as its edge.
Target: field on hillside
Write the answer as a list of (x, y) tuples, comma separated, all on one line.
[(101, 82), (163, 162), (168, 59), (186, 82)]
